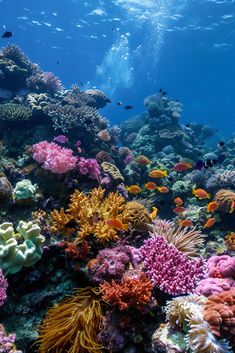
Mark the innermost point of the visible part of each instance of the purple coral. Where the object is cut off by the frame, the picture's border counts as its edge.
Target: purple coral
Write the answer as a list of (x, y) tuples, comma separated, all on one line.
[(112, 263), (169, 269), (7, 342), (89, 167), (3, 288), (53, 157), (221, 179)]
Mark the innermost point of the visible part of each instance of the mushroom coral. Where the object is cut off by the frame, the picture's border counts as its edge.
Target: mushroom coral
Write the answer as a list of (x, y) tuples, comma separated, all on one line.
[(73, 325)]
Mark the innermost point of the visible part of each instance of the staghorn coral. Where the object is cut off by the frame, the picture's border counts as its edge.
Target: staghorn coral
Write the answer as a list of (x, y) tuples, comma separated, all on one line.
[(90, 214), (219, 312), (73, 325), (14, 112), (112, 171), (168, 268), (188, 241), (60, 222), (226, 200), (132, 292)]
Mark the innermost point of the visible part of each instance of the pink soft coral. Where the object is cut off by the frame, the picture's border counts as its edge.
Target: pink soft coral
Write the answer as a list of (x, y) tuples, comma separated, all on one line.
[(53, 157), (88, 167), (169, 269)]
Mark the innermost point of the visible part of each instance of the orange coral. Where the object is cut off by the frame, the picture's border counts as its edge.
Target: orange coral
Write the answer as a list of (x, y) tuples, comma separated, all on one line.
[(73, 325), (131, 292), (88, 215), (219, 312), (230, 241), (226, 200)]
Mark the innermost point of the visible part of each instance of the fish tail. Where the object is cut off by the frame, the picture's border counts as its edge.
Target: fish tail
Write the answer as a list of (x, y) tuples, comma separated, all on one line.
[(125, 227), (209, 196), (193, 191), (165, 173)]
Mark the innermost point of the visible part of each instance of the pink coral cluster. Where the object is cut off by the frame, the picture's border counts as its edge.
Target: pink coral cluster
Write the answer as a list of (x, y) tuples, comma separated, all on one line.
[(168, 268), (220, 276), (53, 157), (3, 288), (89, 167)]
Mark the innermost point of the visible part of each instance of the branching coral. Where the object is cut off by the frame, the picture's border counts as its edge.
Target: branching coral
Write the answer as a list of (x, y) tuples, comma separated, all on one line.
[(14, 112), (188, 241), (131, 292), (226, 200), (221, 179), (168, 268), (73, 325), (90, 214)]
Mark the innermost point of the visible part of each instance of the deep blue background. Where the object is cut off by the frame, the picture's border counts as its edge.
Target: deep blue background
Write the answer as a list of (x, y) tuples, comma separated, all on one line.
[(185, 47)]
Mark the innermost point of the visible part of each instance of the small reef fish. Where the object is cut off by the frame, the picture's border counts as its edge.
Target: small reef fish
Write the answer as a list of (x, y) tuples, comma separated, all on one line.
[(117, 224), (163, 189), (209, 223), (154, 212), (128, 107), (61, 139), (158, 173), (178, 201), (201, 194), (151, 186), (79, 150), (7, 34), (182, 166), (186, 223), (77, 143), (134, 189), (212, 206), (179, 209), (119, 103), (91, 263)]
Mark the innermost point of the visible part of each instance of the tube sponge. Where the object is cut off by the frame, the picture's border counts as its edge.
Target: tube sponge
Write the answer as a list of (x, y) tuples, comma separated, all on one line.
[(14, 256)]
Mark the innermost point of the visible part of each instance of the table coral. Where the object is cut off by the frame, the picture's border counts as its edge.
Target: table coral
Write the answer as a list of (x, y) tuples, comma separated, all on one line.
[(168, 268), (131, 292)]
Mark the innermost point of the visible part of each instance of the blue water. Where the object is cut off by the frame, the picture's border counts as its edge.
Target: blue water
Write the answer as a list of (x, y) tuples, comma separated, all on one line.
[(130, 50)]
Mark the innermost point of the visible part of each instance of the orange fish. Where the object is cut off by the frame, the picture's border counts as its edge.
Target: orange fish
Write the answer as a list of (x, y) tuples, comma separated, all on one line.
[(134, 189), (209, 223), (181, 166), (201, 194), (232, 208), (117, 224), (158, 173), (178, 201), (163, 189), (186, 223), (91, 263), (179, 209), (212, 206), (154, 212), (150, 185)]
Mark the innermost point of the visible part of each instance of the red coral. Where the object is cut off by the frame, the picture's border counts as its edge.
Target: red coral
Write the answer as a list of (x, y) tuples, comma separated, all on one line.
[(131, 292)]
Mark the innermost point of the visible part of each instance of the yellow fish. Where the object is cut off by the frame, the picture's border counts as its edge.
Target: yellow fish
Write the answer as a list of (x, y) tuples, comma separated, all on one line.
[(158, 173), (134, 189), (154, 212)]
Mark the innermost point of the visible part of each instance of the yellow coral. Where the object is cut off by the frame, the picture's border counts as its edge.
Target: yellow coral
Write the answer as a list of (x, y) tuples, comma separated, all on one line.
[(73, 325), (230, 241), (90, 214)]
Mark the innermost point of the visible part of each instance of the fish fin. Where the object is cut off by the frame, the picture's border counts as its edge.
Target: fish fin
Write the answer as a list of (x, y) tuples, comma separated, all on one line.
[(209, 196), (165, 172), (193, 191), (125, 227)]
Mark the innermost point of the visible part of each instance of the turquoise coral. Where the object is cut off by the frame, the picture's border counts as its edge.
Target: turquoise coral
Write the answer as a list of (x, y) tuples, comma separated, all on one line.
[(25, 190), (14, 256)]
